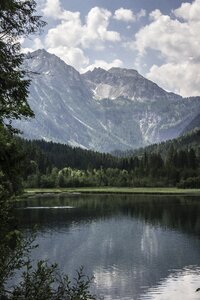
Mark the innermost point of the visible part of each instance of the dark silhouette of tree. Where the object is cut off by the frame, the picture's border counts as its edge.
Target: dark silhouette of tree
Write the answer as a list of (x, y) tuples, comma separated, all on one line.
[(17, 19)]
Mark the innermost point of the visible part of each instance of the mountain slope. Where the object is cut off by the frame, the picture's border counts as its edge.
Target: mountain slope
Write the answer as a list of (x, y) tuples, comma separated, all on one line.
[(101, 110), (185, 142), (159, 114), (126, 83), (64, 108), (195, 123)]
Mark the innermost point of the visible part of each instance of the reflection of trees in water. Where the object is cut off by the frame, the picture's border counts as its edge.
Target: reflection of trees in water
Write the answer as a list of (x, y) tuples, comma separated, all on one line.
[(119, 238), (176, 212)]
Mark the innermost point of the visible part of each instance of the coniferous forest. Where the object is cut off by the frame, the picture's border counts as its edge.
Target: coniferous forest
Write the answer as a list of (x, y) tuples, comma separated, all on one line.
[(170, 164)]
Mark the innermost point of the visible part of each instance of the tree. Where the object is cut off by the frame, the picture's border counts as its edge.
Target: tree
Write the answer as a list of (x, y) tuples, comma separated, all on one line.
[(17, 19), (192, 159), (11, 160)]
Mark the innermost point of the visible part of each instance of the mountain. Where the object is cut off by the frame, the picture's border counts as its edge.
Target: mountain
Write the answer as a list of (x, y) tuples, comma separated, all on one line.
[(194, 124), (189, 140), (125, 83), (101, 110)]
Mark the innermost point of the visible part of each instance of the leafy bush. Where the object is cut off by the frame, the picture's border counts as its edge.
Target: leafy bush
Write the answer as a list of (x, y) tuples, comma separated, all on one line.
[(191, 182), (46, 283)]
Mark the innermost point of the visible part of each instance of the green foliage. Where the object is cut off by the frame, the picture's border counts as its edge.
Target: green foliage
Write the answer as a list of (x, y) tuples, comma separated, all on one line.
[(184, 142), (51, 165), (17, 19), (190, 182), (48, 155), (46, 283), (11, 163), (13, 247)]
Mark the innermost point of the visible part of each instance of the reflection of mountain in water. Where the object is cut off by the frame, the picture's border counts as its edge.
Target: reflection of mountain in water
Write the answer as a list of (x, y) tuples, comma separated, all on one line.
[(174, 286), (175, 212), (127, 242)]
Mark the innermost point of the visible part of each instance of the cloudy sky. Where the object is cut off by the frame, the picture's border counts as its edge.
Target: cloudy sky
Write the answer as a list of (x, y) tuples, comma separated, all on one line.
[(159, 38)]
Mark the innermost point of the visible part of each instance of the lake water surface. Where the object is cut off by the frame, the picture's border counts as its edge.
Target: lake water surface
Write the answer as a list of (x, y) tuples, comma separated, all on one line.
[(136, 246)]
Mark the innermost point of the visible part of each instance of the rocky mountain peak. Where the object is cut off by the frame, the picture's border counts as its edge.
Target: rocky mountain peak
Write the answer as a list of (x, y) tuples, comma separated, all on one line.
[(124, 83), (101, 110), (47, 64), (124, 72)]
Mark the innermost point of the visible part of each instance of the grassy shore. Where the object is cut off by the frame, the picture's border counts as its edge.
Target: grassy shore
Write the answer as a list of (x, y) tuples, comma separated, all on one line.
[(114, 190)]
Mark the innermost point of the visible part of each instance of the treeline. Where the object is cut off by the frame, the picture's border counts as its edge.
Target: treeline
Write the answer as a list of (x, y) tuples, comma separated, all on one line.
[(49, 165), (47, 155), (184, 142)]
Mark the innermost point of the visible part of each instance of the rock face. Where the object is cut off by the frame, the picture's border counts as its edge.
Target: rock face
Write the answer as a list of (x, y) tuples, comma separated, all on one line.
[(101, 110), (194, 124)]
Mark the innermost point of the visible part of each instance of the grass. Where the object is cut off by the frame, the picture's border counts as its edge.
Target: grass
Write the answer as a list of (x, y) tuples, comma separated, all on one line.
[(114, 190)]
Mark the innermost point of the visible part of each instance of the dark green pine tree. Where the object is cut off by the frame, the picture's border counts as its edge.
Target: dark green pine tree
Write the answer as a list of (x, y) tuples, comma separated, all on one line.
[(17, 19), (192, 159)]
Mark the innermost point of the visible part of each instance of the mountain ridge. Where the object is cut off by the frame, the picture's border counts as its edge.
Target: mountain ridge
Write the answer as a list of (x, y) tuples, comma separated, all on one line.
[(101, 110)]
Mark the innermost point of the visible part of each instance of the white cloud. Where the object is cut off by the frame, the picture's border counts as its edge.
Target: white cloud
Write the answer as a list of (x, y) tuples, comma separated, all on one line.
[(71, 32), (96, 27), (125, 15), (71, 56), (141, 14), (103, 64), (183, 79), (71, 37), (52, 8), (189, 11), (177, 41), (36, 44), (67, 33), (170, 37)]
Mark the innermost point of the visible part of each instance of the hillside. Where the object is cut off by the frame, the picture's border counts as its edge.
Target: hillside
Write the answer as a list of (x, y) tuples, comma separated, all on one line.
[(101, 110), (184, 142), (175, 162)]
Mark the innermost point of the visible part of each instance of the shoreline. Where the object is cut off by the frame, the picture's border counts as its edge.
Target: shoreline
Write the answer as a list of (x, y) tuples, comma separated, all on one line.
[(110, 190)]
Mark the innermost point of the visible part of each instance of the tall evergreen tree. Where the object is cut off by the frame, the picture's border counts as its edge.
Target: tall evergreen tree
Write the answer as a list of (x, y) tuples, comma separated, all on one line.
[(17, 19)]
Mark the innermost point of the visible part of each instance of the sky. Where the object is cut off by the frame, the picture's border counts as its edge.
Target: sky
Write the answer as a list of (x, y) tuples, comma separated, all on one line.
[(158, 38)]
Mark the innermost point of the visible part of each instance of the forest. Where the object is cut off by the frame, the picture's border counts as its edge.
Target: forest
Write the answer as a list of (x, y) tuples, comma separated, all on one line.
[(169, 164)]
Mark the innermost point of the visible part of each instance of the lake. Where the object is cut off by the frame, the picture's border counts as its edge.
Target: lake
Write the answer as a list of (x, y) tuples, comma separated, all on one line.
[(136, 246)]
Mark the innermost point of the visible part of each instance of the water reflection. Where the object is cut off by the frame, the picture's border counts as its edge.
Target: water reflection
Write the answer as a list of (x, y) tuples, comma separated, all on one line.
[(133, 245), (181, 213), (178, 285)]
